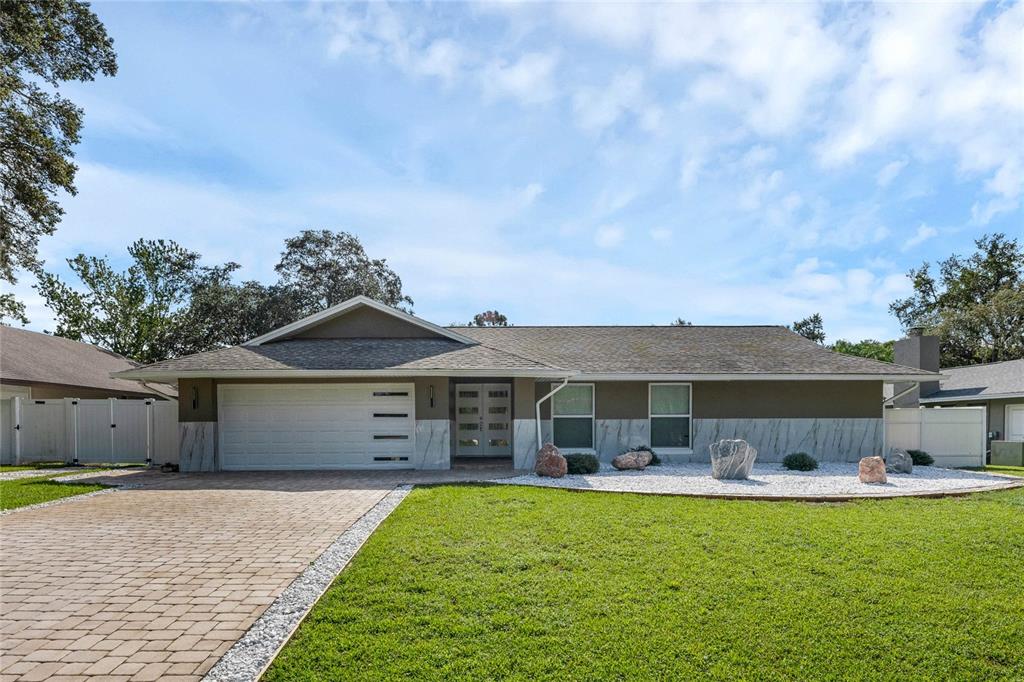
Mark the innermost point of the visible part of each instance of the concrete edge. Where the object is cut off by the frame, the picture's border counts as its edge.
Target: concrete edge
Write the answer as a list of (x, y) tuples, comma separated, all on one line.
[(252, 654)]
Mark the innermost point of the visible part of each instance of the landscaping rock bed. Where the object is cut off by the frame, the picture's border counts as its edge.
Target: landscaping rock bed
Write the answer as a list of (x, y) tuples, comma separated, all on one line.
[(829, 481)]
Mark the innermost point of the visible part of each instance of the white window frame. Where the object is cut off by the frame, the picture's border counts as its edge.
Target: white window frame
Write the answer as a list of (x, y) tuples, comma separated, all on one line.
[(592, 415), (689, 416)]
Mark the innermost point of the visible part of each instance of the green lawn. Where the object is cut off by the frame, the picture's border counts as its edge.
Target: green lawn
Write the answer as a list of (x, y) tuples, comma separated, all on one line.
[(1013, 471), (523, 583), (22, 492), (34, 465)]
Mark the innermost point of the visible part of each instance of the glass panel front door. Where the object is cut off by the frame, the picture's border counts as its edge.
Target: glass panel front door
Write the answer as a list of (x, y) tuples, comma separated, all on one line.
[(483, 420)]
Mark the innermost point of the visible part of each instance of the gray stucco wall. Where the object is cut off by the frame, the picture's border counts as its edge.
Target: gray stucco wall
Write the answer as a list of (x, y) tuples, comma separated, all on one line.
[(366, 322)]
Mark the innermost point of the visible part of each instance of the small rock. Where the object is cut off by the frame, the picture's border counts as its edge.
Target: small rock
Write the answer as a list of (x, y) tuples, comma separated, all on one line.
[(634, 459), (899, 462), (732, 459), (550, 462), (872, 470)]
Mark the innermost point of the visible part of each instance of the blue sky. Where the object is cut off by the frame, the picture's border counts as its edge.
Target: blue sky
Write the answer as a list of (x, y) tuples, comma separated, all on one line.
[(730, 164)]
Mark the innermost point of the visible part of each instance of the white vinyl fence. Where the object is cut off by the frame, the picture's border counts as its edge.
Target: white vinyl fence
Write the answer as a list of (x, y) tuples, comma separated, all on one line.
[(954, 436), (88, 431)]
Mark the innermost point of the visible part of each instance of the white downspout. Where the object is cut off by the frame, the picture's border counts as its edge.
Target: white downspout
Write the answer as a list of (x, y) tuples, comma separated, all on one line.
[(556, 389)]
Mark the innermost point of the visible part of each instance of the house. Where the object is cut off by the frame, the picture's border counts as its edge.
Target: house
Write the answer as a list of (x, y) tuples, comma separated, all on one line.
[(996, 386), (362, 385), (40, 366)]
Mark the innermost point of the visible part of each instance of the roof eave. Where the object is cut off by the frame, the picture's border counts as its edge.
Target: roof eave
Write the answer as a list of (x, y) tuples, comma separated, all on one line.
[(173, 375), (753, 376), (969, 398)]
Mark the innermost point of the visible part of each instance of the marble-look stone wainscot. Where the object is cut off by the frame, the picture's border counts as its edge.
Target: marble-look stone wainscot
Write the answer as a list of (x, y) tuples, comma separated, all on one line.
[(197, 446), (433, 444), (827, 440)]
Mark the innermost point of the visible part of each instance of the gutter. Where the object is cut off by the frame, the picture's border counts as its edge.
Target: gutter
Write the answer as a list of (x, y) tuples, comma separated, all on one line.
[(553, 391)]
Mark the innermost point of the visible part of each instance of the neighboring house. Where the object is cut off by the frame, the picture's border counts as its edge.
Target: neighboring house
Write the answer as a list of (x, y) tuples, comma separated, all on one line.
[(362, 385), (40, 366), (997, 386)]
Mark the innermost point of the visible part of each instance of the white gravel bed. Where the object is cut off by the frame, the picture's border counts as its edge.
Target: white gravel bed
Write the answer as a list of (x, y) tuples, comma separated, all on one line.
[(252, 654), (33, 473), (772, 480)]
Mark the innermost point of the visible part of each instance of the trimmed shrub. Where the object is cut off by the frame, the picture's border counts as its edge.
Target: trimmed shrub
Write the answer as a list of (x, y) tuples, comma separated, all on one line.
[(921, 458), (654, 456), (580, 463), (799, 461)]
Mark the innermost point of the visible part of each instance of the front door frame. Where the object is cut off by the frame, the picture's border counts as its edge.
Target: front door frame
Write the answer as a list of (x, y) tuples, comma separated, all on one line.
[(1006, 417), (453, 385)]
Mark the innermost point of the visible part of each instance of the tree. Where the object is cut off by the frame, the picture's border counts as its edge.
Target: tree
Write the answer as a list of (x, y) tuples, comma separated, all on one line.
[(329, 267), (489, 318), (680, 322), (43, 43), (132, 313), (811, 328), (868, 348), (976, 306)]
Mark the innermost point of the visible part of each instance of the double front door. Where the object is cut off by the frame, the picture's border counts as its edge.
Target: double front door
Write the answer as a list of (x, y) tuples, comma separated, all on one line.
[(483, 420)]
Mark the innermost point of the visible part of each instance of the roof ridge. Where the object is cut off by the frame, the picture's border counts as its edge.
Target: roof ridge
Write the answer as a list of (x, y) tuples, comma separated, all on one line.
[(623, 326), (982, 364)]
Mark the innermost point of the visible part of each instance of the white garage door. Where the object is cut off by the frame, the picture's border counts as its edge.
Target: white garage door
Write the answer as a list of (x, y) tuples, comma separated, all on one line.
[(326, 426)]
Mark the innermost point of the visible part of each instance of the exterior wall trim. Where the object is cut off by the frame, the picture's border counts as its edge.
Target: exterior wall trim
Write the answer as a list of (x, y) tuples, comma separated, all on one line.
[(585, 376)]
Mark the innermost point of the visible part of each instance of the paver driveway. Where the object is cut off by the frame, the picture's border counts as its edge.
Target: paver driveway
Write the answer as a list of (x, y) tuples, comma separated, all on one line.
[(160, 581)]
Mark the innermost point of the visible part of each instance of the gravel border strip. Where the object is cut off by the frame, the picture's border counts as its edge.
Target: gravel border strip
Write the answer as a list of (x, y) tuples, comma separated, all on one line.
[(251, 655), (33, 473)]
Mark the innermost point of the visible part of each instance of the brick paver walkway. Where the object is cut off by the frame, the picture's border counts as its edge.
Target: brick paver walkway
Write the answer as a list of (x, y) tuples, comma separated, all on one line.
[(158, 582)]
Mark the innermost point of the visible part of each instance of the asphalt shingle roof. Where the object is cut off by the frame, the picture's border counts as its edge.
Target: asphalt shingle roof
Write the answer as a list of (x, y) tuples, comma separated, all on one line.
[(981, 381), (604, 350), (41, 358), (678, 349)]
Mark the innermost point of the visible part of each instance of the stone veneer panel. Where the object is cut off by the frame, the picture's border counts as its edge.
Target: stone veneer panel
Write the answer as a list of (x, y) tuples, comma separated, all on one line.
[(524, 443), (615, 436), (433, 444), (197, 446), (827, 440)]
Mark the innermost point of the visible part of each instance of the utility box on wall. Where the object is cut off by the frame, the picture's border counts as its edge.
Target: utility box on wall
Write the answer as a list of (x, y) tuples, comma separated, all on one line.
[(1008, 453)]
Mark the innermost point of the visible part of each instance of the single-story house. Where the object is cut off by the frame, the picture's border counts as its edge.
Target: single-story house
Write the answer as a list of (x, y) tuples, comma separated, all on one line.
[(363, 385), (997, 386), (38, 366)]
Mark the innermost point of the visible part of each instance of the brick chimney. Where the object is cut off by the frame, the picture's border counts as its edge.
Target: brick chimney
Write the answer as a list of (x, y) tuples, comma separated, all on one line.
[(922, 352)]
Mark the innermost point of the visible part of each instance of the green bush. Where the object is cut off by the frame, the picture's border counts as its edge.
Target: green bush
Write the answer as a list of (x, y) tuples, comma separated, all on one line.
[(654, 456), (580, 463), (799, 461), (921, 458)]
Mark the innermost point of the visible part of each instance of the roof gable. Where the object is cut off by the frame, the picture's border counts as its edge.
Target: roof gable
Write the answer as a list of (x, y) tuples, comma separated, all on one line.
[(360, 317)]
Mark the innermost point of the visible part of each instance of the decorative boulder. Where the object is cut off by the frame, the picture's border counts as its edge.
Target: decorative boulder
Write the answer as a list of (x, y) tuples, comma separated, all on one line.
[(899, 462), (732, 459), (634, 459), (550, 462), (872, 470)]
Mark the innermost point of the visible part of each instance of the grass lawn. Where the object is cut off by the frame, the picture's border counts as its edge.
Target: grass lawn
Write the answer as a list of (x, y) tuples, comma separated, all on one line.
[(1013, 471), (522, 583), (34, 465), (22, 492)]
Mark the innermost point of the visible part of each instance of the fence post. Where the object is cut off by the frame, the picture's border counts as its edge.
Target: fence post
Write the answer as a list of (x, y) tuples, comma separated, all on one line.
[(17, 429), (74, 430), (149, 432)]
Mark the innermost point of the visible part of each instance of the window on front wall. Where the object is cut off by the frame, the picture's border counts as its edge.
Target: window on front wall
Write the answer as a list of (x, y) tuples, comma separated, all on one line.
[(572, 416), (670, 415)]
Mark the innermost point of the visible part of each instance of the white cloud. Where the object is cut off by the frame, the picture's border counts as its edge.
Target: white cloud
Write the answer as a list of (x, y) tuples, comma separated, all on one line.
[(609, 236), (529, 79), (597, 108), (923, 234), (689, 171), (890, 171), (531, 192), (763, 185), (661, 234)]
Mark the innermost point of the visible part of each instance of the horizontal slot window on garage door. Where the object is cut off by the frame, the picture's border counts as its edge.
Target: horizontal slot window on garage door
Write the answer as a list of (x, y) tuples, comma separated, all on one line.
[(389, 394), (670, 415), (391, 415), (572, 414), (388, 436)]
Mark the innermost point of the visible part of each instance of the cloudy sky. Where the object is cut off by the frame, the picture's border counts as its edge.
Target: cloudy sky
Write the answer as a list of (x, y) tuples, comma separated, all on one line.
[(730, 164)]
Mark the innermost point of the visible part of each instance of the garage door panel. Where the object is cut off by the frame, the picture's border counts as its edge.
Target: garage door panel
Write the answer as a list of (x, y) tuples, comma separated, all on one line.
[(357, 426)]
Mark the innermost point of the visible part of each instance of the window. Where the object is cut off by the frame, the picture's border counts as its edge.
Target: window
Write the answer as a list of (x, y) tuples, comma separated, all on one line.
[(669, 407), (572, 416)]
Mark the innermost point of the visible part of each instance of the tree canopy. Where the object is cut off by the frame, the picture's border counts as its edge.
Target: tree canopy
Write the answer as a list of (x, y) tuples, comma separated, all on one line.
[(975, 304), (489, 318), (167, 304), (43, 43), (811, 327)]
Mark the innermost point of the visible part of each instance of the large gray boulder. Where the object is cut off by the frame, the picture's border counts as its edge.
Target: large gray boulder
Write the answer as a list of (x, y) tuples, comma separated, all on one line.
[(732, 460), (550, 462), (899, 462), (634, 459)]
